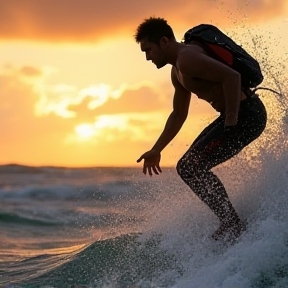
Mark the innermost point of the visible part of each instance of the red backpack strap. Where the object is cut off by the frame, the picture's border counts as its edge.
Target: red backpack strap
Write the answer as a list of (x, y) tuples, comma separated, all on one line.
[(222, 53)]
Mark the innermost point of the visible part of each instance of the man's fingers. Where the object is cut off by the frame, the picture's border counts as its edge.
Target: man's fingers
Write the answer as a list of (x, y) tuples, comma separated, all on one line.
[(149, 170), (155, 170), (140, 159), (150, 167), (144, 168)]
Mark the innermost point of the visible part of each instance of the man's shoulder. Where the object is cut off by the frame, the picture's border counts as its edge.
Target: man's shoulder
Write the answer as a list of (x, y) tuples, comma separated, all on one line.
[(190, 50), (189, 53), (186, 58)]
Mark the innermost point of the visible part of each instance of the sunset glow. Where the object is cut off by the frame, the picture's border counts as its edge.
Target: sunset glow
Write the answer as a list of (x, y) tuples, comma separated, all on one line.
[(85, 130), (75, 87)]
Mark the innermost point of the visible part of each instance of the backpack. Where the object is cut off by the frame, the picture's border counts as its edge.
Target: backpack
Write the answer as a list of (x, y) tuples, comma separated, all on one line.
[(228, 52)]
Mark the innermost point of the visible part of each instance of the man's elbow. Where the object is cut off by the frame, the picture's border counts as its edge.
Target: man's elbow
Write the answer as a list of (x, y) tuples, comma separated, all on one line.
[(181, 117), (233, 78)]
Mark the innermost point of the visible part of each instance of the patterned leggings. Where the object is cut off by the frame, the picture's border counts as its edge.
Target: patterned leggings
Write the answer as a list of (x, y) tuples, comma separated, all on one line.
[(215, 145)]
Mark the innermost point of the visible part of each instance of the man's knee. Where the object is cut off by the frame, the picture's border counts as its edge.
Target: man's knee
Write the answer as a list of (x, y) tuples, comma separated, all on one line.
[(186, 169), (180, 167)]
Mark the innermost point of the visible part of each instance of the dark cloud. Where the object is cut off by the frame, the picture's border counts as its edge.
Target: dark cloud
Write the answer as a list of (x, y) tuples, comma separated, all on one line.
[(70, 20), (92, 20)]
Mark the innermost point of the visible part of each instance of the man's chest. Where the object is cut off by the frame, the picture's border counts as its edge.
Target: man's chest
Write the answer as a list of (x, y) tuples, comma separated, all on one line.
[(202, 88)]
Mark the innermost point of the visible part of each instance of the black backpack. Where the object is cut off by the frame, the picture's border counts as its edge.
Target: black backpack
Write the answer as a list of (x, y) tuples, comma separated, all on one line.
[(227, 51)]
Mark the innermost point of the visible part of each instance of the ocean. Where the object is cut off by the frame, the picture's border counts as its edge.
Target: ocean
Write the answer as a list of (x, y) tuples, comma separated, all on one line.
[(115, 227)]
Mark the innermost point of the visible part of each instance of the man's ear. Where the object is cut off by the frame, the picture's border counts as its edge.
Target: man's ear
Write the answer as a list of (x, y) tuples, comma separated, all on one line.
[(164, 42)]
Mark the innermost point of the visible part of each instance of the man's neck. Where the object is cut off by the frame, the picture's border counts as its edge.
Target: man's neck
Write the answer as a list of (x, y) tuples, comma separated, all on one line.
[(174, 52)]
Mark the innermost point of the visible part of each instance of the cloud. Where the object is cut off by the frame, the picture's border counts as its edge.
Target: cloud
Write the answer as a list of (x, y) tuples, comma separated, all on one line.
[(30, 71), (27, 90), (17, 108), (29, 138), (94, 20), (137, 99), (70, 101), (131, 117), (141, 98)]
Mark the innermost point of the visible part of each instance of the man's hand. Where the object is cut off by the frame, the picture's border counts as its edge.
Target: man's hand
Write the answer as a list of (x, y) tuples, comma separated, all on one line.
[(151, 162)]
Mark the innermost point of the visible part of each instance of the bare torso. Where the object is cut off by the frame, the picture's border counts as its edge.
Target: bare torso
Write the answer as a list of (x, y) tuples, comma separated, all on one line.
[(209, 91)]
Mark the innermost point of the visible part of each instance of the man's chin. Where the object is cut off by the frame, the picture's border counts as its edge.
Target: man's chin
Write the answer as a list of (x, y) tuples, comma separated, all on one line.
[(160, 65)]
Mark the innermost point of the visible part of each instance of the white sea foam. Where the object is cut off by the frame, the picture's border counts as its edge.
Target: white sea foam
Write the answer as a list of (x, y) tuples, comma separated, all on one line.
[(256, 182)]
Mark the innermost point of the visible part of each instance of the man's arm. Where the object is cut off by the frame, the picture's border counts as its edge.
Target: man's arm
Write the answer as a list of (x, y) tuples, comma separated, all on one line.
[(181, 102), (199, 65), (174, 123)]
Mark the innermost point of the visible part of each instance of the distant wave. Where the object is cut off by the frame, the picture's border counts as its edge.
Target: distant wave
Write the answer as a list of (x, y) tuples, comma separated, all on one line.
[(15, 168), (11, 218)]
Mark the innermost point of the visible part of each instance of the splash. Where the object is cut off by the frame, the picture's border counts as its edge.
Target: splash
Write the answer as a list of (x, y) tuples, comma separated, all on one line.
[(256, 181)]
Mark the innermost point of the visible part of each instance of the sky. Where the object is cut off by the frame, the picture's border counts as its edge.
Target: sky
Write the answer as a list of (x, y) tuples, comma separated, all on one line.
[(76, 91)]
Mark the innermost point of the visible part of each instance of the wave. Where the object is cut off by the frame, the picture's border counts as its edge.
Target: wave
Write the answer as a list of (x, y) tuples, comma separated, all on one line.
[(16, 168), (174, 248), (109, 190), (258, 260), (16, 219), (124, 260)]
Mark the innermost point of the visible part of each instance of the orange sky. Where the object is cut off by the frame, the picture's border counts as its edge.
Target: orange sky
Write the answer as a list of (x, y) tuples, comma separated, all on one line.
[(76, 90)]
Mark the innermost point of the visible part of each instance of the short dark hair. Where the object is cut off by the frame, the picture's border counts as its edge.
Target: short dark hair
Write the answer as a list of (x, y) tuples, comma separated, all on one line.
[(153, 28)]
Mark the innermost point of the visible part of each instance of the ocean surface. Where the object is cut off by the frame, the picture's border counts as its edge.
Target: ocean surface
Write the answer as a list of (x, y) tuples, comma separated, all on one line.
[(115, 227)]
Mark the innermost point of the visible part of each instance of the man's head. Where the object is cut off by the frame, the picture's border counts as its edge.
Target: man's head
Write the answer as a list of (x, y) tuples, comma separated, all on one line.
[(154, 36)]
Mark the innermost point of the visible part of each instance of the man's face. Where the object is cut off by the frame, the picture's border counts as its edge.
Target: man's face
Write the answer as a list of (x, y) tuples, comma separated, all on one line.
[(154, 53)]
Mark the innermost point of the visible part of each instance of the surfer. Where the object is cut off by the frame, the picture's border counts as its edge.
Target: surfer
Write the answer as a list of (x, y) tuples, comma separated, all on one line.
[(242, 117)]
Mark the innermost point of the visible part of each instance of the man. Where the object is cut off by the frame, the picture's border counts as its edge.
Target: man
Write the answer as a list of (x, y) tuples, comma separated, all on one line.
[(242, 119)]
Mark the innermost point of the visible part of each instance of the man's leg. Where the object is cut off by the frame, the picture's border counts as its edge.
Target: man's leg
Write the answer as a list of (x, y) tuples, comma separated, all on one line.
[(194, 168), (214, 146)]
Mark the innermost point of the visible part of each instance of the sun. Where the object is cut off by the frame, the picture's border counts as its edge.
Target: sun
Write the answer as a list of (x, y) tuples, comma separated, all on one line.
[(85, 130)]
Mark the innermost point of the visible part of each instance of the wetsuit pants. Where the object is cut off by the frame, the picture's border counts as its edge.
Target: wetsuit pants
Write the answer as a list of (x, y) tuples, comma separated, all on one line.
[(215, 145)]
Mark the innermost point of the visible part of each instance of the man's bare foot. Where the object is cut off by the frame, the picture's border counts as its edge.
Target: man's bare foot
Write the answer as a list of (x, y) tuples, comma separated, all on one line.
[(229, 233)]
